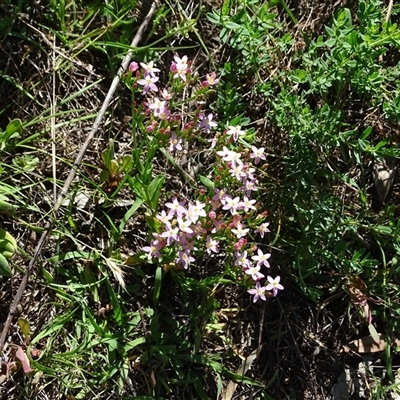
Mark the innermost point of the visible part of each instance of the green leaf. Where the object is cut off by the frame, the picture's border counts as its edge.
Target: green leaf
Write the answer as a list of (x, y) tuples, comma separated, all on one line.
[(214, 17), (14, 126), (382, 229), (134, 207), (340, 246), (117, 310), (134, 343), (137, 186), (6, 206), (344, 17), (207, 182), (358, 254), (71, 255), (199, 389), (330, 31), (366, 133), (24, 325), (55, 325), (353, 39), (218, 367), (330, 42), (155, 191), (351, 63), (374, 334), (232, 25), (126, 164), (5, 269), (108, 154), (157, 284)]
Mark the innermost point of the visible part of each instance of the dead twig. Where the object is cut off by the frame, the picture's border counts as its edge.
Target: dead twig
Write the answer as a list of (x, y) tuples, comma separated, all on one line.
[(124, 65)]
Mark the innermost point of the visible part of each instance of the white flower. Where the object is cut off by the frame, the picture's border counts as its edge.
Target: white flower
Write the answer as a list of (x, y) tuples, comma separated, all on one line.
[(235, 132)]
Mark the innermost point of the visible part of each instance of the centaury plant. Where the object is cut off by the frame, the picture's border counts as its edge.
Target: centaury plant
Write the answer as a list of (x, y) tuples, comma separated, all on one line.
[(222, 217)]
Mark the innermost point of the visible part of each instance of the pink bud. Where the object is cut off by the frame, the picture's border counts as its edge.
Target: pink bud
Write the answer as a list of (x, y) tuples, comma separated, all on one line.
[(133, 66)]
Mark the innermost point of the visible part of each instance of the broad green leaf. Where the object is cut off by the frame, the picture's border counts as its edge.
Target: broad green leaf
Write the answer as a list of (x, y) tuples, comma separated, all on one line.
[(14, 126), (5, 269)]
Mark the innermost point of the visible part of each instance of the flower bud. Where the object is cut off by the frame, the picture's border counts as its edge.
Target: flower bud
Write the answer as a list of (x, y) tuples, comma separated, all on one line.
[(133, 66)]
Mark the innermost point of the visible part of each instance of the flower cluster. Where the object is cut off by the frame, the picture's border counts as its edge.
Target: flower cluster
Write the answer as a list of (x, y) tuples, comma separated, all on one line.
[(226, 219)]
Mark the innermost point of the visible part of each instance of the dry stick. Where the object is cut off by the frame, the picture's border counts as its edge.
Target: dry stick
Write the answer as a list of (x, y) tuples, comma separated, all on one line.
[(72, 174)]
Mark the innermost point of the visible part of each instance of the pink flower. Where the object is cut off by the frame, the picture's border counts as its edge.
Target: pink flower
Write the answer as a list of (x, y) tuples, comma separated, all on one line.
[(229, 155), (213, 141), (195, 211), (248, 204), (249, 172), (185, 225), (242, 260), (220, 195), (233, 205), (262, 229), (250, 186), (153, 250), (176, 207), (211, 245), (274, 285), (184, 258), (206, 122), (235, 132), (240, 230), (211, 79), (163, 217), (199, 230), (186, 243), (240, 243), (261, 258), (148, 83), (237, 170), (180, 67), (157, 106), (257, 154), (166, 95), (171, 234), (258, 292), (217, 225), (164, 114), (254, 272), (149, 69), (175, 143)]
